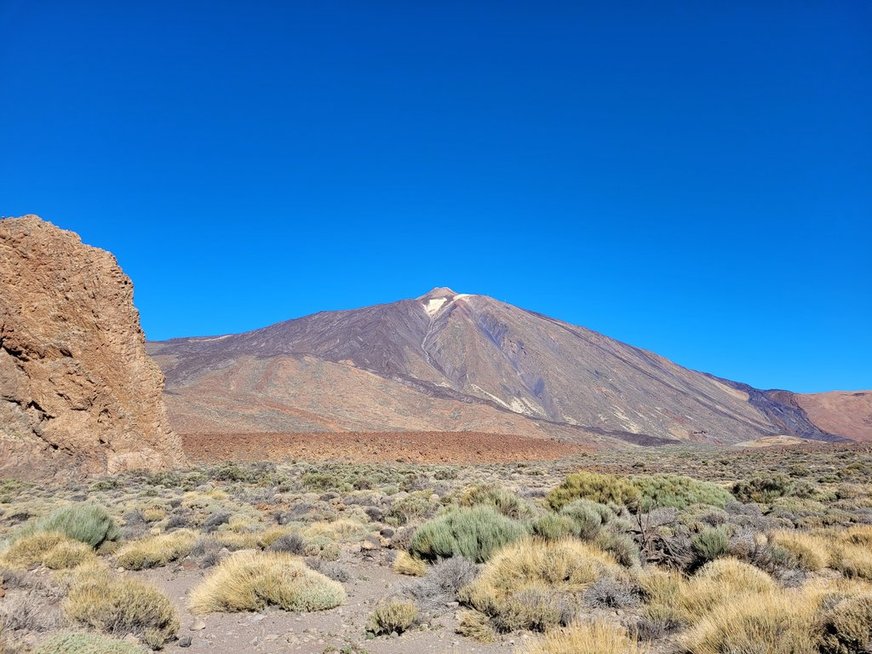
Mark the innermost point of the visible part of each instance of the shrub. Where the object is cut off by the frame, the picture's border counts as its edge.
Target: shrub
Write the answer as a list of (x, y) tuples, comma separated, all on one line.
[(620, 545), (604, 489), (587, 517), (250, 581), (406, 564), (808, 552), (441, 583), (594, 638), (678, 491), (121, 607), (641, 492), (86, 644), (853, 561), (414, 506), (552, 526), (68, 554), (475, 533), (721, 580), (524, 584), (846, 627), (291, 543), (475, 625), (710, 544), (392, 616), (89, 523), (504, 501), (50, 549), (612, 593), (157, 550), (770, 623), (762, 489)]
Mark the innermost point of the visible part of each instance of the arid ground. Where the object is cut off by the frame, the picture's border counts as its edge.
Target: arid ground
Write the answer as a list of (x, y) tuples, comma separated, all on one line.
[(684, 550)]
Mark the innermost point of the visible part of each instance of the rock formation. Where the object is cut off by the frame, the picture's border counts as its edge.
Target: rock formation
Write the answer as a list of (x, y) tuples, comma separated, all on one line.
[(77, 389)]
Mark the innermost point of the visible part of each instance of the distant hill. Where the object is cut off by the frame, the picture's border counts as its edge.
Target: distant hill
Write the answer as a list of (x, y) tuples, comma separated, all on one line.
[(840, 412), (454, 361)]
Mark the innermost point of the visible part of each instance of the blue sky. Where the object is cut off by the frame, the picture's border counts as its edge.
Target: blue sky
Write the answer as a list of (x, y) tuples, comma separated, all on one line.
[(692, 178)]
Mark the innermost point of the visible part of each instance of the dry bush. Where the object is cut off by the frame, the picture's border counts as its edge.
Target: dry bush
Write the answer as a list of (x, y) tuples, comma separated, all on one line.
[(35, 610), (476, 625), (406, 564), (764, 623), (845, 627), (120, 606), (810, 553), (673, 600), (585, 638), (392, 616), (853, 561), (51, 549), (74, 643), (858, 535), (157, 550), (250, 581), (526, 584), (494, 495)]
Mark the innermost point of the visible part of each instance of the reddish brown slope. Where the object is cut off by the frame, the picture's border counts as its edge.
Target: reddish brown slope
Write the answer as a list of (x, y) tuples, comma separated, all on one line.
[(844, 413)]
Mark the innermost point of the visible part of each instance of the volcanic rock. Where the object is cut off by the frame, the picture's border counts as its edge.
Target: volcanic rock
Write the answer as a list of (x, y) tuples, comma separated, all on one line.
[(77, 389)]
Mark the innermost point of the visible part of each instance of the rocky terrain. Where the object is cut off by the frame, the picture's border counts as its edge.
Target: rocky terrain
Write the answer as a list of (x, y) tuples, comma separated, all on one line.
[(840, 412), (77, 389), (450, 361)]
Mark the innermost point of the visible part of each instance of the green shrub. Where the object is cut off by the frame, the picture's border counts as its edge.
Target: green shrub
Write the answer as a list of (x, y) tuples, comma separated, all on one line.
[(504, 501), (392, 616), (678, 491), (762, 489), (643, 492), (553, 526), (474, 533), (588, 517), (620, 545), (86, 644), (604, 489), (411, 507), (710, 544), (89, 523)]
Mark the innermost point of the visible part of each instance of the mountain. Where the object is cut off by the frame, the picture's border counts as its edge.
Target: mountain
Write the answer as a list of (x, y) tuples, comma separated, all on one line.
[(454, 361), (844, 413), (77, 389)]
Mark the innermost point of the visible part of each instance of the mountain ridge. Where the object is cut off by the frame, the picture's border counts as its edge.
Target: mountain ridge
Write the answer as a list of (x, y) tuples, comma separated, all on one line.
[(473, 349)]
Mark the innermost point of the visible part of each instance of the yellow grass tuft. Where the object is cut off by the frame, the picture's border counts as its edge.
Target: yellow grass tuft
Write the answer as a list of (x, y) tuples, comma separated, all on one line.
[(525, 584), (406, 564), (250, 581), (121, 607), (584, 638), (50, 549), (392, 616), (768, 622), (811, 553), (156, 551)]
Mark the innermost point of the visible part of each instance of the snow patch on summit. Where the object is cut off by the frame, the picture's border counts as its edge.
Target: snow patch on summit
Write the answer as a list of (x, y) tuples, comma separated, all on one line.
[(433, 306)]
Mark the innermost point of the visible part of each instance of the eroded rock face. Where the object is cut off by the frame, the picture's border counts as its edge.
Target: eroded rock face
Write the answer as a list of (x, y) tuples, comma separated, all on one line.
[(77, 389)]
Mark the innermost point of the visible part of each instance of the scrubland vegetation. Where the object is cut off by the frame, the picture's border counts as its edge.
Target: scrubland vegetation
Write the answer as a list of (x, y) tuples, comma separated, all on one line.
[(687, 551)]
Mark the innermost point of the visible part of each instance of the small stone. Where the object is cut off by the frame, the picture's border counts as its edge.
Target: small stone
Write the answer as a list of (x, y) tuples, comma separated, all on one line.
[(199, 625), (185, 641)]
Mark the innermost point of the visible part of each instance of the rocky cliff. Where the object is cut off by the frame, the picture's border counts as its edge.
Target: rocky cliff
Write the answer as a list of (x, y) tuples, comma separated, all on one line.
[(77, 389)]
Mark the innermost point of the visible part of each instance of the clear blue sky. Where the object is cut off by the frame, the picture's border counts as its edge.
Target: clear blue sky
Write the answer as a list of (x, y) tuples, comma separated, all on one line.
[(694, 178)]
